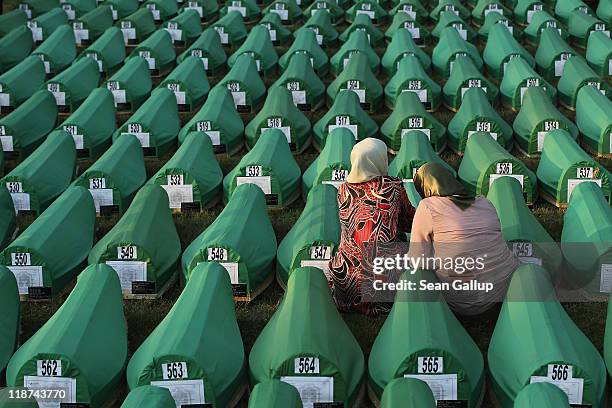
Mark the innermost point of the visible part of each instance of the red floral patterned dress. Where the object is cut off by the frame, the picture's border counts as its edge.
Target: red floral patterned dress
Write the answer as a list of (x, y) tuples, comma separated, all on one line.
[(375, 211)]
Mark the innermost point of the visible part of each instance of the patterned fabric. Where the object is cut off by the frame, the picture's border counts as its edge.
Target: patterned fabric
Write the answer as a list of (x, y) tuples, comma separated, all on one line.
[(376, 211)]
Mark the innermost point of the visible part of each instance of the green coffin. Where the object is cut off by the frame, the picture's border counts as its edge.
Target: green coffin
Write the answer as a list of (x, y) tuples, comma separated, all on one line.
[(305, 43), (450, 19), (49, 254), (453, 6), (279, 34), (363, 23), (248, 9), (525, 9), (241, 239), (115, 177), (477, 115), (270, 165), (9, 321), (58, 50), (21, 81), (92, 124), (604, 11), (486, 161), (410, 114), (280, 112), (552, 54), (89, 27), (500, 49), (358, 77), (35, 8), (345, 112), (156, 123), (149, 396), (245, 84), (594, 120), (564, 8), (188, 82), (333, 163), (45, 24), (540, 21), (137, 26), (184, 28), (206, 352), (74, 84), (77, 8), (143, 246), (306, 87), (108, 51), (122, 8), (11, 20), (403, 45), (158, 51), (537, 117), (14, 47), (207, 10), (305, 333), (412, 8), (599, 53), (577, 74), (259, 46), (485, 7), (219, 119), (288, 10), (192, 176), (463, 77), (334, 11), (162, 10), (411, 77), (131, 84), (519, 76), (495, 19), (541, 395), (370, 8), (449, 47), (209, 49), (564, 165), (525, 346), (407, 393), (274, 394), (315, 236), (231, 29), (321, 24), (581, 25), (8, 225), (357, 42)]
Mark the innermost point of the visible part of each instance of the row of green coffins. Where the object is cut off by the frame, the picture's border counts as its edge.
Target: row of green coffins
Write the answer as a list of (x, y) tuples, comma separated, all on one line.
[(206, 362)]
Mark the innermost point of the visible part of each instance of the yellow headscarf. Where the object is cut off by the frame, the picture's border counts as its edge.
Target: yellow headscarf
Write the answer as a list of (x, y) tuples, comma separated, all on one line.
[(368, 160)]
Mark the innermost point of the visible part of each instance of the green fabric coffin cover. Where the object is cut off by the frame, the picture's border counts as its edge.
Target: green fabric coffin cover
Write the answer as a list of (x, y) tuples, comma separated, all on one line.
[(45, 24), (477, 115), (188, 82), (334, 11), (23, 129), (207, 10), (137, 26), (271, 166), (184, 28), (92, 124), (306, 43), (552, 54), (599, 53), (541, 395), (370, 8), (500, 49), (92, 25), (363, 23), (485, 7), (288, 10), (586, 236), (149, 396), (453, 6), (306, 87), (594, 119), (581, 25), (192, 175), (604, 11), (274, 394), (410, 114), (450, 19), (526, 342), (407, 393), (518, 77), (35, 8), (162, 10), (243, 80), (77, 8), (564, 8), (208, 350), (44, 174), (345, 112), (449, 47), (131, 84), (14, 47), (241, 239), (314, 237), (231, 29), (411, 77), (58, 50), (357, 42), (418, 32), (122, 8), (564, 164), (115, 177), (333, 163), (321, 24), (358, 77), (530, 241), (51, 251), (71, 86), (464, 76), (485, 160), (421, 325), (279, 34), (280, 112), (209, 49), (525, 9), (248, 9), (8, 223), (493, 19), (219, 119), (108, 50), (259, 46), (144, 239), (155, 124), (11, 20), (158, 51), (402, 45), (21, 81), (537, 117), (87, 336), (576, 75), (307, 333), (9, 320), (540, 21), (413, 8)]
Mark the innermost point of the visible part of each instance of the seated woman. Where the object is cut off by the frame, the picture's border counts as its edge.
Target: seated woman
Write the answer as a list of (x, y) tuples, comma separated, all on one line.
[(374, 208), (461, 236)]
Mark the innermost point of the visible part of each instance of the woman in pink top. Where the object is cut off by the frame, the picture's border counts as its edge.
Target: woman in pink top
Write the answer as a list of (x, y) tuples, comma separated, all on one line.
[(460, 238)]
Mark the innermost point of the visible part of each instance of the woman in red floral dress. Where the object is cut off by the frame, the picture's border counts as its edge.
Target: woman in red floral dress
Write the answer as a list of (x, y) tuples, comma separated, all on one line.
[(374, 208)]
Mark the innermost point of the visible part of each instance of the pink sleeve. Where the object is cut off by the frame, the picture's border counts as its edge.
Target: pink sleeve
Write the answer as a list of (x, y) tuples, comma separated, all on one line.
[(421, 235)]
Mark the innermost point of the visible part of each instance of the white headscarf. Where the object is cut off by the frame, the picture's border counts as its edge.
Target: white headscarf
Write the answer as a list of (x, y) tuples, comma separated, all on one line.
[(368, 160)]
